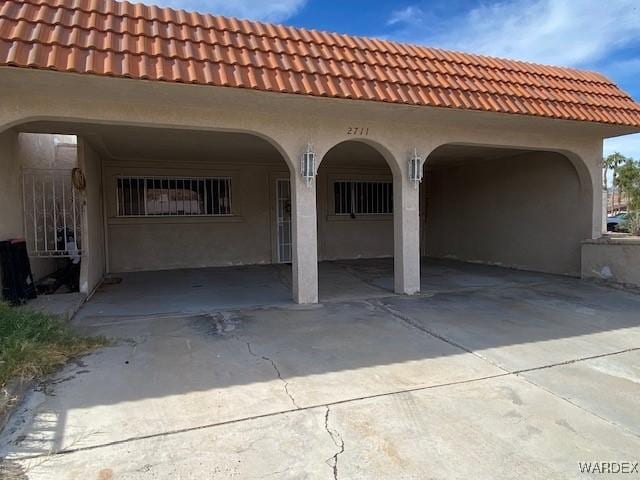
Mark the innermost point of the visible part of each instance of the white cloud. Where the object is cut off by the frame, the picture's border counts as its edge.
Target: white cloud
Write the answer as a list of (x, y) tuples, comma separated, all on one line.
[(267, 10), (564, 32), (409, 15), (582, 33), (628, 145)]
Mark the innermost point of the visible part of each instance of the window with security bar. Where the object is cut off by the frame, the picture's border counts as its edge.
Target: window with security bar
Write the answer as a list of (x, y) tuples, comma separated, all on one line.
[(363, 197), (173, 196)]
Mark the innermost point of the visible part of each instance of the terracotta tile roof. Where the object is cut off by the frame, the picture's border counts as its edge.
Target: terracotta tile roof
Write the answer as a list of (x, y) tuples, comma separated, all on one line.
[(121, 39)]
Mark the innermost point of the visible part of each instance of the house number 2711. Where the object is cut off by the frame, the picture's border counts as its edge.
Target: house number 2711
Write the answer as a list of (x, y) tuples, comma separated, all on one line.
[(361, 131)]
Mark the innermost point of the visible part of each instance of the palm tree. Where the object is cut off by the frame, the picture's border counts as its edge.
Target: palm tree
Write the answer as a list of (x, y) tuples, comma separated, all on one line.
[(613, 162)]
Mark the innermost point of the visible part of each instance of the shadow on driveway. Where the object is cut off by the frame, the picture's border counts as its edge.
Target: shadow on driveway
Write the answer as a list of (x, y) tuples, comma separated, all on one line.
[(180, 372)]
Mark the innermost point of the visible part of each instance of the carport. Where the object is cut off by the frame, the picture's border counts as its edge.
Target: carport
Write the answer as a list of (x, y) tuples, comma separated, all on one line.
[(216, 146), (165, 206), (162, 245), (355, 209), (514, 207)]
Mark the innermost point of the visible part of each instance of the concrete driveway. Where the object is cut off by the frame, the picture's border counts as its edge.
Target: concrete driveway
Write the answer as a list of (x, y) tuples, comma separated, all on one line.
[(489, 374)]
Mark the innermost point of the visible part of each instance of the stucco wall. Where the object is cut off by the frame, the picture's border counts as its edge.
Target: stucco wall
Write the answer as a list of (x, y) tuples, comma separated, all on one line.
[(41, 150), (10, 193), (343, 237), (290, 122), (11, 225), (17, 151), (182, 242), (528, 211), (93, 265), (249, 236), (612, 260)]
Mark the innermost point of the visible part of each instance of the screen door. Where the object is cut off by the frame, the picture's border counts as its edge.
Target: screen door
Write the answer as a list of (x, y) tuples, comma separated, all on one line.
[(283, 209)]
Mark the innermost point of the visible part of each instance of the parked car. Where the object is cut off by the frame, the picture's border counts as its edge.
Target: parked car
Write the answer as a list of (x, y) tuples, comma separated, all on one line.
[(617, 223)]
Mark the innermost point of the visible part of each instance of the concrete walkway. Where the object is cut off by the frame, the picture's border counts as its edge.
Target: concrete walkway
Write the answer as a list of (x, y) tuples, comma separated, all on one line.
[(490, 374)]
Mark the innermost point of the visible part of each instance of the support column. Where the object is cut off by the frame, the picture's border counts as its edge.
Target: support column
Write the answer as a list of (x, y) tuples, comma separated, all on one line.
[(305, 240), (406, 226), (93, 265), (600, 200)]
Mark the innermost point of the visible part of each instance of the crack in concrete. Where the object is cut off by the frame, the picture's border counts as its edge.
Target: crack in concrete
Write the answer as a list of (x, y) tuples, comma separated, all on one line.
[(126, 319), (337, 439), (277, 370), (206, 426), (283, 278), (346, 401), (418, 326), (354, 273), (406, 320)]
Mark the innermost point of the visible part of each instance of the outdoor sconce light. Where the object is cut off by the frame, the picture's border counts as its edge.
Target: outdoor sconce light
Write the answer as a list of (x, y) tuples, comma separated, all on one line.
[(308, 164), (415, 168)]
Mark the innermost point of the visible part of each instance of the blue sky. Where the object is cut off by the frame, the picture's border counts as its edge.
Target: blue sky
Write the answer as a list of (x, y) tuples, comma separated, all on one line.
[(602, 35)]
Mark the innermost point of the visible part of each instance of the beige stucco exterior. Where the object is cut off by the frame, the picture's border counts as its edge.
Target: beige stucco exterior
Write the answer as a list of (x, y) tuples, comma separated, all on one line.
[(93, 265), (249, 235), (86, 105), (612, 260), (526, 211), (159, 243), (365, 236), (11, 224), (47, 151), (20, 151)]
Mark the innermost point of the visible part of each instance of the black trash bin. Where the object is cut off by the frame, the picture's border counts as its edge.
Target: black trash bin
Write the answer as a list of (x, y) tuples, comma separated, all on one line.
[(17, 280)]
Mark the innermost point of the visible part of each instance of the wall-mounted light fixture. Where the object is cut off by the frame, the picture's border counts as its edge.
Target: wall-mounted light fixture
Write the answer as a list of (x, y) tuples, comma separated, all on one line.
[(308, 164), (415, 168)]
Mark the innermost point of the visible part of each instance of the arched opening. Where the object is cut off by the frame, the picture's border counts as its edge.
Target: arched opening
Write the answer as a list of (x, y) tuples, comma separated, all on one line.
[(355, 222), (164, 210), (517, 208)]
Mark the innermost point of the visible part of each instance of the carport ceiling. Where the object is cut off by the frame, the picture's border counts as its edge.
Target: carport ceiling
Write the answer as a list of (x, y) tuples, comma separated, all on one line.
[(454, 155), (164, 144), (131, 142), (356, 155)]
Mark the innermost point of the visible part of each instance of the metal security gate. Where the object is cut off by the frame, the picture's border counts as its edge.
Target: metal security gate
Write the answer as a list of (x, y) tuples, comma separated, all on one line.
[(283, 210), (52, 209)]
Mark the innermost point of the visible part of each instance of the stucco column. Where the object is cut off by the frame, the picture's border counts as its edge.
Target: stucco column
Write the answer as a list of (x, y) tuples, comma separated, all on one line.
[(591, 161), (305, 240), (406, 220)]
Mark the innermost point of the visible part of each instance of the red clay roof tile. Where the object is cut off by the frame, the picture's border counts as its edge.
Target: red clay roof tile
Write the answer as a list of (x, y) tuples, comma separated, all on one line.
[(107, 37)]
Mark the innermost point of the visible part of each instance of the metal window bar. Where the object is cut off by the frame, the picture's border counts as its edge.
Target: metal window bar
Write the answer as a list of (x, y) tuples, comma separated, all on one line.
[(52, 214), (363, 197), (157, 196)]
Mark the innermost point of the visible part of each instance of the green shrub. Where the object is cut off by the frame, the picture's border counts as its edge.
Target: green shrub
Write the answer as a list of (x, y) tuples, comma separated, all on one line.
[(628, 179)]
